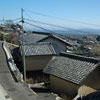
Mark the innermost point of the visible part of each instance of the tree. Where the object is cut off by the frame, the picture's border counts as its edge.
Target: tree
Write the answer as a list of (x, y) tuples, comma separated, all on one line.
[(98, 38)]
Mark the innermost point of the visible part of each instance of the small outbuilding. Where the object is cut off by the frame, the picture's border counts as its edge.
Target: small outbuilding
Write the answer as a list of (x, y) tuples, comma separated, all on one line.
[(59, 44), (37, 55), (69, 71)]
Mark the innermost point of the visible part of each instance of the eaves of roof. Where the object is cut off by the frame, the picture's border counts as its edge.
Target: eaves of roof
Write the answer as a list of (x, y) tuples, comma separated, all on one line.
[(55, 37)]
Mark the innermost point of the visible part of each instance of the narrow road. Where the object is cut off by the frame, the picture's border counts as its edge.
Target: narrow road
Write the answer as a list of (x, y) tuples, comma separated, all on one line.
[(16, 91)]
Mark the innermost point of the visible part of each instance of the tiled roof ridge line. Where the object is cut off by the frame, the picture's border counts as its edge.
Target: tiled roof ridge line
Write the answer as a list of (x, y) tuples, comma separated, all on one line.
[(79, 57), (38, 43), (44, 33), (57, 37)]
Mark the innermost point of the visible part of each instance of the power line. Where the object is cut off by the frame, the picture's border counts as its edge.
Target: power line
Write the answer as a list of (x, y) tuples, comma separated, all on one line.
[(48, 24), (27, 14), (76, 21), (16, 19), (11, 19), (53, 25), (41, 28), (17, 22)]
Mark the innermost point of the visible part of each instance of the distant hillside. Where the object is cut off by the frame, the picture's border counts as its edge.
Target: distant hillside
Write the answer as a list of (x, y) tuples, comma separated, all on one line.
[(75, 31), (79, 32)]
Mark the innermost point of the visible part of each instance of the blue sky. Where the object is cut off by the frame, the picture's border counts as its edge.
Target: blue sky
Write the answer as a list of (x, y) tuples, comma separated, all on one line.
[(82, 10)]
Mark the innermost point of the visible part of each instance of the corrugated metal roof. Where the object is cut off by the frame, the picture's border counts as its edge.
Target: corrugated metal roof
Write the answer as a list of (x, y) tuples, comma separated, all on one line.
[(38, 49), (72, 68)]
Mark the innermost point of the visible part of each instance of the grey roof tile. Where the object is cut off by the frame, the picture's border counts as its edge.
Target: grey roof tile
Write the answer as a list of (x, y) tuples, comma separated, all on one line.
[(56, 37), (31, 37), (39, 37), (71, 67), (38, 49)]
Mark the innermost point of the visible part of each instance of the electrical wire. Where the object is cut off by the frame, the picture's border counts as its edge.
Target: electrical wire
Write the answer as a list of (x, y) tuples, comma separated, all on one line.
[(41, 28), (65, 19), (16, 19), (53, 25)]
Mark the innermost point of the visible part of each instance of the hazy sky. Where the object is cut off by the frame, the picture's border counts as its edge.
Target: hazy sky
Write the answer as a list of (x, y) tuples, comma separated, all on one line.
[(82, 10)]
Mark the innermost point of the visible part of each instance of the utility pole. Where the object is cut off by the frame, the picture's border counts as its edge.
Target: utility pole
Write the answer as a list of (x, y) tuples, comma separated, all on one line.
[(22, 18), (22, 45), (3, 20)]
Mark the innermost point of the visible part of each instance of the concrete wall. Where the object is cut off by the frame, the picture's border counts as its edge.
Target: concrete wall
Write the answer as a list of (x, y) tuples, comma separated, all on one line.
[(58, 45), (61, 86), (34, 63), (93, 80)]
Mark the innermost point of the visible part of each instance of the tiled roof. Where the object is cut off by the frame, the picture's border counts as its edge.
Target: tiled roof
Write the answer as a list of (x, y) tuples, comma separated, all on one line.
[(34, 37), (38, 49), (71, 67), (74, 43), (31, 37), (56, 37)]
